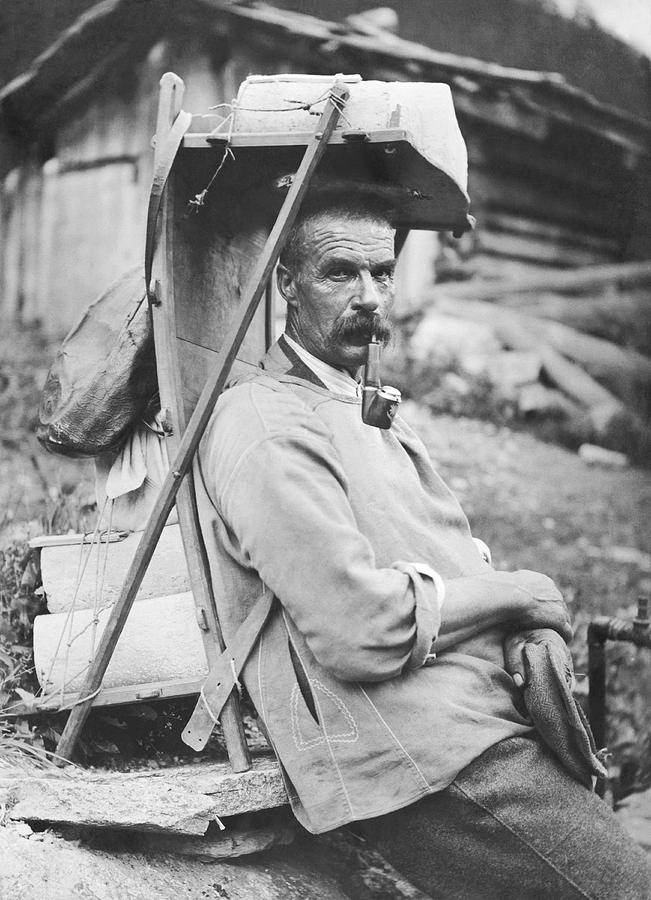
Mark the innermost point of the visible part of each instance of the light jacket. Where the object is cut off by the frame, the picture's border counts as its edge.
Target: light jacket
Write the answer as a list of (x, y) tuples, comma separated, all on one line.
[(298, 497)]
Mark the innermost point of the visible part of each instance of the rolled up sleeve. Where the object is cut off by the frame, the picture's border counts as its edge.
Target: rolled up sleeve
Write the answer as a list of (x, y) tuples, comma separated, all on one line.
[(286, 501)]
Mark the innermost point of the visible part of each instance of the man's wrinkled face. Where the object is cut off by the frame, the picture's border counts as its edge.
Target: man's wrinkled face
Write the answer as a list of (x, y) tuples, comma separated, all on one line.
[(342, 290)]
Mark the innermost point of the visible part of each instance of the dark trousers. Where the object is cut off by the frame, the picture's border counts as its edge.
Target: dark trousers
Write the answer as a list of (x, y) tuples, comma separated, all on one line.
[(513, 826)]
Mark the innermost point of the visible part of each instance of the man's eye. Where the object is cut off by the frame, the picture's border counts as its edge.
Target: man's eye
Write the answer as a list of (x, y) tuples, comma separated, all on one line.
[(384, 274), (341, 273)]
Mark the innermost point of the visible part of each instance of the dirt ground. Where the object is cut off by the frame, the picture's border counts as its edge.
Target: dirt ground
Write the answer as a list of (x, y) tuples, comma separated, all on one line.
[(537, 505)]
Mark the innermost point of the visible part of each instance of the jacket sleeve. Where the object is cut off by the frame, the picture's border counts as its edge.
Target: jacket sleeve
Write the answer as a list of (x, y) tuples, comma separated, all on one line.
[(286, 501)]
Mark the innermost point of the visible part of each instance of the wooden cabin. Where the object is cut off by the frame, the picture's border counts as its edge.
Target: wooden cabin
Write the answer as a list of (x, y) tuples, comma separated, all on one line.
[(555, 181)]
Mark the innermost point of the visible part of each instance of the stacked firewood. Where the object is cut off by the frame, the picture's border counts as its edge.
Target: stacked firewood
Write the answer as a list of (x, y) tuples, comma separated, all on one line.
[(574, 344)]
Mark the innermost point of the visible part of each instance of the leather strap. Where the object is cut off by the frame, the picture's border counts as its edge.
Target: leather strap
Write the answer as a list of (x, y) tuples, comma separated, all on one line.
[(165, 158), (224, 674)]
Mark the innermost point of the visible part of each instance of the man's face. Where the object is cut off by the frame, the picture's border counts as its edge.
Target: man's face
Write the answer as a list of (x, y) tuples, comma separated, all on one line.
[(343, 290)]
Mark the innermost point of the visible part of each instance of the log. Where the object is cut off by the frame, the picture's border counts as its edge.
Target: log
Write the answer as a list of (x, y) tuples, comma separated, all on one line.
[(519, 194), (65, 584), (583, 279), (178, 800), (627, 372), (536, 248), (624, 319), (559, 234), (161, 642)]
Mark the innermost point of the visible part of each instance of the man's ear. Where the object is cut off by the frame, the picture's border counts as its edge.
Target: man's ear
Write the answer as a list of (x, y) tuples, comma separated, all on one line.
[(286, 285)]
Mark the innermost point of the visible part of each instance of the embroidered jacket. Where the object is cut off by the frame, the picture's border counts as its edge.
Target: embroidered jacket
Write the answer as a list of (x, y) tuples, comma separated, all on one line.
[(297, 496)]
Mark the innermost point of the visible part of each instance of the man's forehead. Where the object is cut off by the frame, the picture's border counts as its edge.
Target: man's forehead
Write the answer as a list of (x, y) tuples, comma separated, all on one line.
[(329, 234)]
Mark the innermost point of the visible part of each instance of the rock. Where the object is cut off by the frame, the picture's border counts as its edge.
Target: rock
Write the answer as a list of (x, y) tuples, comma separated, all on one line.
[(451, 383), (629, 556), (228, 844), (179, 799), (59, 870), (634, 813), (536, 399), (593, 455), (442, 340), (510, 369)]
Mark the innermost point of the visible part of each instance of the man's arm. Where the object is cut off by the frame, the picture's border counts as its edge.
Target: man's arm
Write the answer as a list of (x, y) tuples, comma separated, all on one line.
[(514, 601)]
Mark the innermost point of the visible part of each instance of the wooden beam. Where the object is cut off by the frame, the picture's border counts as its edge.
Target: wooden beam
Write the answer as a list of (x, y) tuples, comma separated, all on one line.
[(171, 396)]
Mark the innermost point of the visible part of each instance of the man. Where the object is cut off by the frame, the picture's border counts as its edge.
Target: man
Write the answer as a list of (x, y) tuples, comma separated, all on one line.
[(386, 675)]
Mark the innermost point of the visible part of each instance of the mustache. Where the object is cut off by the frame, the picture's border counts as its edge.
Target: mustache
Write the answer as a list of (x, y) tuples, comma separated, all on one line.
[(361, 326)]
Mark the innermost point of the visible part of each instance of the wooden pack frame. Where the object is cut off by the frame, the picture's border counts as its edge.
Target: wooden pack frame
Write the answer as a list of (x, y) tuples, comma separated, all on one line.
[(190, 381)]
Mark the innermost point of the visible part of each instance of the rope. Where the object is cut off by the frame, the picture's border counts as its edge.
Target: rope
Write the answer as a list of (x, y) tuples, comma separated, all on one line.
[(81, 568), (99, 582), (199, 199), (97, 609)]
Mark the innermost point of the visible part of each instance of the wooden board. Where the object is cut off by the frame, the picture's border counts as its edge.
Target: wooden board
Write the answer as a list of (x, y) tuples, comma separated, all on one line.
[(211, 253)]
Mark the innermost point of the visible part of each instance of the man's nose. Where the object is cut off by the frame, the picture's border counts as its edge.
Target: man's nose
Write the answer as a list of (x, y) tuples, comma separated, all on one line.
[(366, 296)]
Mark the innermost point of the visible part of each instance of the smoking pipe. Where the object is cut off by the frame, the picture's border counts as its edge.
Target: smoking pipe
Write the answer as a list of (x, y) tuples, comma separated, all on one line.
[(379, 404)]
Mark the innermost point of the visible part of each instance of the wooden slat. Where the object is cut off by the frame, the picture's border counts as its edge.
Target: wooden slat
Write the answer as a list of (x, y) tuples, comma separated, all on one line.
[(197, 140), (583, 279), (537, 249), (164, 314), (559, 234), (509, 193), (115, 696)]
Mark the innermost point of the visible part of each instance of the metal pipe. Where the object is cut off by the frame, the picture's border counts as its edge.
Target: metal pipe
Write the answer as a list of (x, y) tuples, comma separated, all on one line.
[(379, 404), (600, 630)]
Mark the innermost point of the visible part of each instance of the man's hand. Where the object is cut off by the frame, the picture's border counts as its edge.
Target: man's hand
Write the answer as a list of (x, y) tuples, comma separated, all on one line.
[(513, 601), (537, 602), (513, 652)]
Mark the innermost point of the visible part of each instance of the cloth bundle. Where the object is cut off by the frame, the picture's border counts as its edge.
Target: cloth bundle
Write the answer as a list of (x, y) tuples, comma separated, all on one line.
[(554, 712)]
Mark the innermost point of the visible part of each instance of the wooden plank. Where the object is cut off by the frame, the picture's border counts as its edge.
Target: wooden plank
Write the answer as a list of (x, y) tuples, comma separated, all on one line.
[(537, 249), (559, 234), (180, 799), (597, 169), (482, 269), (201, 140), (74, 540), (164, 316), (197, 424), (542, 200), (113, 696), (583, 279)]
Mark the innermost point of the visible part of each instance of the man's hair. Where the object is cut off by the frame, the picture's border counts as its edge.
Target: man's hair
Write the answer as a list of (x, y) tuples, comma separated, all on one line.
[(353, 208)]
